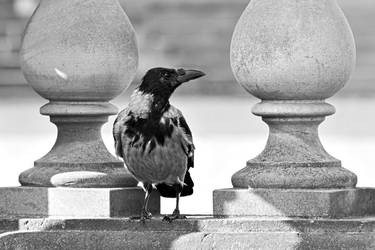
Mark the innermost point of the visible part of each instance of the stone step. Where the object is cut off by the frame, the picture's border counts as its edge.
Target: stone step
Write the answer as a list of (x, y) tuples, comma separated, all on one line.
[(193, 233)]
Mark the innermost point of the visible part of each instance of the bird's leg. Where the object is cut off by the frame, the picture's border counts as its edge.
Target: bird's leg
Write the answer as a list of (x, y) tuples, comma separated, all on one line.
[(176, 213), (145, 214)]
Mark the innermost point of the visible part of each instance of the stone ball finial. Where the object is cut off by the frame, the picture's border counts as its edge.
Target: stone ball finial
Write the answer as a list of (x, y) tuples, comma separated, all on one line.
[(292, 49), (293, 54), (79, 55), (79, 50)]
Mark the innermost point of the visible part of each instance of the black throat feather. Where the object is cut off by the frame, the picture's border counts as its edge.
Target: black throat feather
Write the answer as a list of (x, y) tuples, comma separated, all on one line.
[(149, 126)]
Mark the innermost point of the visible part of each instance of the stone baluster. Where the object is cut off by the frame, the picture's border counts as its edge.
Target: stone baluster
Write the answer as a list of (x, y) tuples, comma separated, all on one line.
[(292, 55), (79, 55)]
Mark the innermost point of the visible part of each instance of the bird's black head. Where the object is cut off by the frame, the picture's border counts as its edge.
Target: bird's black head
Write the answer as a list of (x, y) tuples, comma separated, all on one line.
[(162, 82)]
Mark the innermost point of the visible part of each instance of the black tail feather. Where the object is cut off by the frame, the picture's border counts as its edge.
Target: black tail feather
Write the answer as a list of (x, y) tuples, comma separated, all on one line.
[(169, 191)]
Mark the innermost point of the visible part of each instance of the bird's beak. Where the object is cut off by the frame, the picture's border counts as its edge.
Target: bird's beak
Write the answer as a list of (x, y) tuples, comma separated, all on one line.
[(188, 75)]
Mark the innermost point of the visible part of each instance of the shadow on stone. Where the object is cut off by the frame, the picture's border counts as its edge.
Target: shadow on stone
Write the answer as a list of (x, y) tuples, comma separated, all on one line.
[(193, 233), (74, 202), (317, 219), (99, 234)]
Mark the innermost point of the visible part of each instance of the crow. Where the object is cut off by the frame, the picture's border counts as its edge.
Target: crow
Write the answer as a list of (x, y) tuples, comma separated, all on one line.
[(154, 139)]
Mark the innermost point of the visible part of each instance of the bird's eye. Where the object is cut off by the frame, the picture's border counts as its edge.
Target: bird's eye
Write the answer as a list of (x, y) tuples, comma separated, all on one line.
[(166, 75), (181, 72)]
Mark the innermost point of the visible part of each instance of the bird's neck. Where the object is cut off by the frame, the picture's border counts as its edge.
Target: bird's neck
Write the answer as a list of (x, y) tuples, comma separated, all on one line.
[(147, 105)]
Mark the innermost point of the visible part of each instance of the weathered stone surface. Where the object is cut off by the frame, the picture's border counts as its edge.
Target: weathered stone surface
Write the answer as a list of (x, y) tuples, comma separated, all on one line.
[(293, 55), (275, 168), (79, 61), (193, 233), (314, 203), (69, 52), (74, 202), (172, 240), (294, 156), (292, 50), (196, 224)]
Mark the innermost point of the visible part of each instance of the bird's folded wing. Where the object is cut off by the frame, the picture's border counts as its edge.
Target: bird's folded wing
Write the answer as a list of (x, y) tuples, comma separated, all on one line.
[(118, 128), (178, 119)]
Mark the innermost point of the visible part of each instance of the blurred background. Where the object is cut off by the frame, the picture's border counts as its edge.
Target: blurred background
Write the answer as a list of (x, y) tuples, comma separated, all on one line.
[(194, 34)]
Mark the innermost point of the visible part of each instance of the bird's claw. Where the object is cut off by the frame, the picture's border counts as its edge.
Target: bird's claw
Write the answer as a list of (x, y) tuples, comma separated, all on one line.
[(167, 219), (175, 216), (147, 215), (170, 218), (144, 216)]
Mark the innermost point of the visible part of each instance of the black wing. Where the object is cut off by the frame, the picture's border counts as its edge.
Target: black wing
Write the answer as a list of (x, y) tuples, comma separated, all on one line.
[(118, 127), (167, 191)]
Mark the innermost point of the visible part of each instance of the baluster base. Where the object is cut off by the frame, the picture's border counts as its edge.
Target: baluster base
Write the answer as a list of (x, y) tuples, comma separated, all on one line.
[(294, 157), (305, 203), (74, 202), (79, 157)]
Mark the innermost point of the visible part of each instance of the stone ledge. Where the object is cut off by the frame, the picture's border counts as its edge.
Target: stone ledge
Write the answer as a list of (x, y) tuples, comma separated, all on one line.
[(194, 233), (120, 240), (193, 224), (323, 203), (74, 202)]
